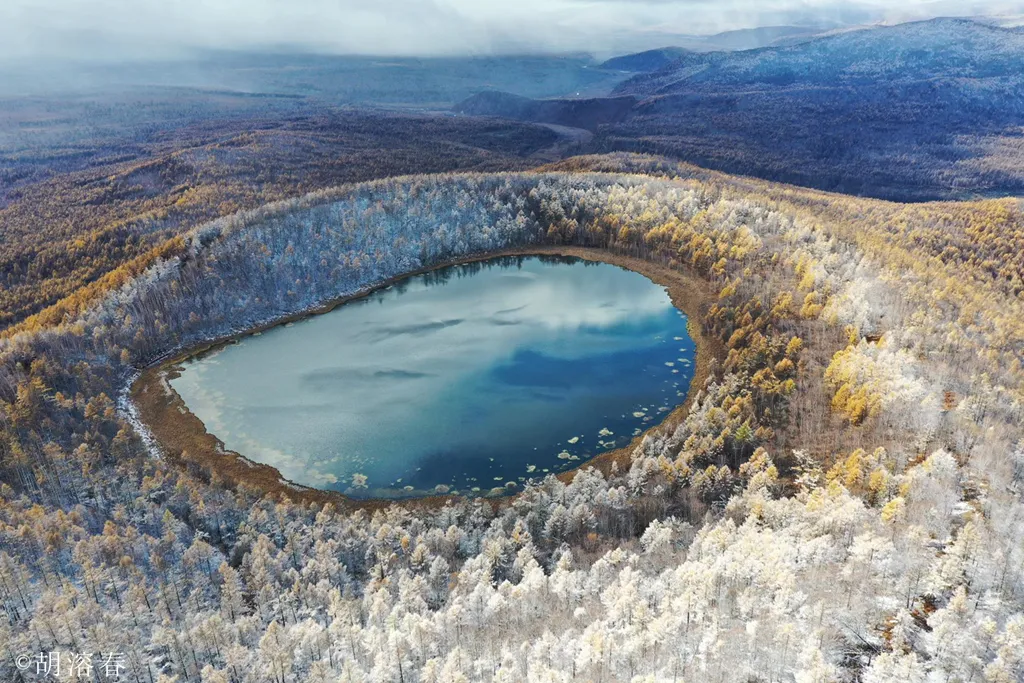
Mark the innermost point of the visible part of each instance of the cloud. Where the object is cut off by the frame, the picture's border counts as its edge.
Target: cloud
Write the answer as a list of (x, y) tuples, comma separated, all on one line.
[(102, 29)]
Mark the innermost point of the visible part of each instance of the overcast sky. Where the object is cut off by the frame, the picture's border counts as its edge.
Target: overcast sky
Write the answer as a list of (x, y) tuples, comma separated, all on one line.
[(136, 28)]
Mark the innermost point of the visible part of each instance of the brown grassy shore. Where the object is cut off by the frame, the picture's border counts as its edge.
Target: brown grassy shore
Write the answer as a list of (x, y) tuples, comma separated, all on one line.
[(185, 440)]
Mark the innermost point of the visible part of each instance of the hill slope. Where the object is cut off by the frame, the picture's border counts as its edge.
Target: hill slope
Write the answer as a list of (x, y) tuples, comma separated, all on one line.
[(649, 60), (739, 39), (941, 48), (62, 232), (582, 113), (920, 111), (917, 111)]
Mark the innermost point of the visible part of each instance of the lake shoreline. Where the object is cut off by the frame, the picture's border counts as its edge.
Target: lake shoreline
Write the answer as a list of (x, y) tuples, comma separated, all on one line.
[(185, 440)]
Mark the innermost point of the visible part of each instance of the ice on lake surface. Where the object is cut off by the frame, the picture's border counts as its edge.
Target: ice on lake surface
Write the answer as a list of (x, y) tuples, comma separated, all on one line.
[(475, 372)]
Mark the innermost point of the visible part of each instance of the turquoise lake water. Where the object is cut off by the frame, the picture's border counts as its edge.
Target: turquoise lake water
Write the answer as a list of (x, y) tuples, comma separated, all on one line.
[(469, 379)]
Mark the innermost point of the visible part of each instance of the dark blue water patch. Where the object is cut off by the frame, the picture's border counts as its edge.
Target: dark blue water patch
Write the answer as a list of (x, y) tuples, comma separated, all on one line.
[(589, 373), (472, 379)]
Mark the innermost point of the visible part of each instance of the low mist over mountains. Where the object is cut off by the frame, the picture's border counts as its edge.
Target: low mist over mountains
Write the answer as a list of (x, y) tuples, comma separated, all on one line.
[(915, 111), (941, 48), (741, 39), (139, 30)]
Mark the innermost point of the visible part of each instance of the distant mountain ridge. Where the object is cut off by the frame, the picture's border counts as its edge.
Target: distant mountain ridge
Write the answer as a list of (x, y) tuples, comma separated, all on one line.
[(935, 48), (917, 111), (649, 60), (739, 39)]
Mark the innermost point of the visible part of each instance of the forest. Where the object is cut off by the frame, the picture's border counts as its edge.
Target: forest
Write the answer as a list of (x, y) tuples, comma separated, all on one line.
[(73, 210), (841, 503), (99, 174)]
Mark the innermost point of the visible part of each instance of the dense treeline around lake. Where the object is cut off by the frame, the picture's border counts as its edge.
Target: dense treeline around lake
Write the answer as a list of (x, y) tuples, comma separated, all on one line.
[(842, 501)]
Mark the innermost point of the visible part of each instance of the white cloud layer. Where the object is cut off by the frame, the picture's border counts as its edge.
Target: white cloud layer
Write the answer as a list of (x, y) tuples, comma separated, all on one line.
[(111, 28)]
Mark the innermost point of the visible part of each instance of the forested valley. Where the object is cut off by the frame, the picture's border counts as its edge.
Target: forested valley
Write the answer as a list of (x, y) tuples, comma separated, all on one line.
[(842, 502)]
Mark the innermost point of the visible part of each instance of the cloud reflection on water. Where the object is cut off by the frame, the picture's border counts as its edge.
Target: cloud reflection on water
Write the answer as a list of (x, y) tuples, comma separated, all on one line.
[(383, 390)]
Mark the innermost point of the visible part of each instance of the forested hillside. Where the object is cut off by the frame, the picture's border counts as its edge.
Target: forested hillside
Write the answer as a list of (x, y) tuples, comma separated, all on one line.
[(75, 209), (916, 111), (588, 114), (912, 112), (841, 503)]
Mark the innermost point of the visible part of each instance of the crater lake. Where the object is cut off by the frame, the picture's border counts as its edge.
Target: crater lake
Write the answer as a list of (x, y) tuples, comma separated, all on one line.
[(470, 379)]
